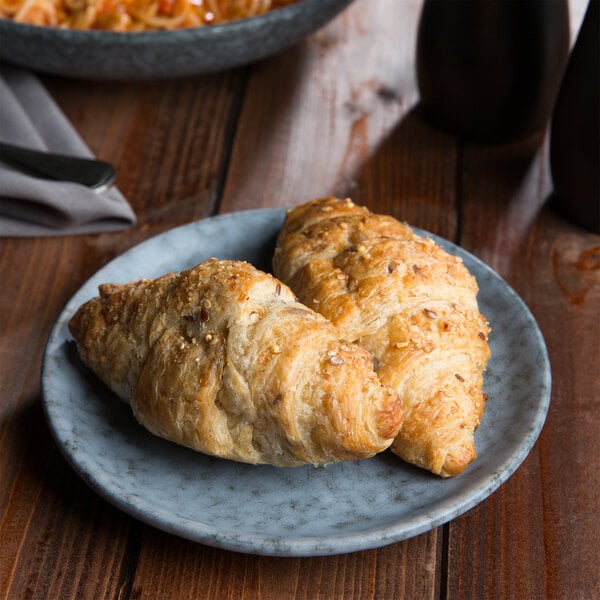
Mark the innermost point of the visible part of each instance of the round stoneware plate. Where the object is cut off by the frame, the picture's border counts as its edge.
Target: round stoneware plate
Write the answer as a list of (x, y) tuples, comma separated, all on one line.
[(109, 55), (301, 511)]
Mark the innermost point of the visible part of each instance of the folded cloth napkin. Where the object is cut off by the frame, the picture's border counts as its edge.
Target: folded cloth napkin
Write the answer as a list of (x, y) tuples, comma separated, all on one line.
[(32, 206)]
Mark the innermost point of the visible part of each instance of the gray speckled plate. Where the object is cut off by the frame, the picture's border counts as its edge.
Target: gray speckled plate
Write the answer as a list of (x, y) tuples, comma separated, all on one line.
[(267, 510), (161, 54)]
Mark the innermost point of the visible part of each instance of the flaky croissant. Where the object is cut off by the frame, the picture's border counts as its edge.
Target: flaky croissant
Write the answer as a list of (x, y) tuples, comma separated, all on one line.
[(224, 360), (408, 302)]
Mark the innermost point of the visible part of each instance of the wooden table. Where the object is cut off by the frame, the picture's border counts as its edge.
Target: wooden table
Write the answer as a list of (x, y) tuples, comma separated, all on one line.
[(333, 115)]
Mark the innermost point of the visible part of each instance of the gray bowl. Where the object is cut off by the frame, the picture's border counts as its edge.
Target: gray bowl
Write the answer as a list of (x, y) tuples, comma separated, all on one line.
[(105, 55)]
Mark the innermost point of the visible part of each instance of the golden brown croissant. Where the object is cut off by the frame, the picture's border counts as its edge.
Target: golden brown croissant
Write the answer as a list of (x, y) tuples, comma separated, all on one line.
[(223, 359), (408, 302)]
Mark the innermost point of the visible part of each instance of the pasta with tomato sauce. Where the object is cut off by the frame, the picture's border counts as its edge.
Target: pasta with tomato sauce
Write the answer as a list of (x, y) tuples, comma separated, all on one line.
[(133, 15)]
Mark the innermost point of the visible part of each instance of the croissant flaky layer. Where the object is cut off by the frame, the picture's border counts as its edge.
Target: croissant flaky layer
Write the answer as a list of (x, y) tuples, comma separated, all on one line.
[(222, 359), (408, 302)]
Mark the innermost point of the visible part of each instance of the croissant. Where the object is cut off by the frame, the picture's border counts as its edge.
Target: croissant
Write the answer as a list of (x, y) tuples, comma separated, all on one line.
[(223, 359), (409, 303)]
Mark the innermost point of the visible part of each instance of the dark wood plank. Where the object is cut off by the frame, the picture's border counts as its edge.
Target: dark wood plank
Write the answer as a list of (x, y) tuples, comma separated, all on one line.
[(567, 270), (500, 194), (174, 568), (170, 143), (56, 532), (52, 527), (508, 222)]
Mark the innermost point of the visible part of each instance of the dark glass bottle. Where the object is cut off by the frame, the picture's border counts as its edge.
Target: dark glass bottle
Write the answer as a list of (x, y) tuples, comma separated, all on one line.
[(575, 133), (489, 70)]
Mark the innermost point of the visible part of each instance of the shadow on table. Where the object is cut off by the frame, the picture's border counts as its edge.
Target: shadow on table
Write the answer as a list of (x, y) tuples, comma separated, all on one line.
[(434, 181)]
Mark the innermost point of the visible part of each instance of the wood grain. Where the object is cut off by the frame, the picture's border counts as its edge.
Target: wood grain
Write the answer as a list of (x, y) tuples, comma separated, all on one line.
[(336, 114), (398, 571), (353, 94)]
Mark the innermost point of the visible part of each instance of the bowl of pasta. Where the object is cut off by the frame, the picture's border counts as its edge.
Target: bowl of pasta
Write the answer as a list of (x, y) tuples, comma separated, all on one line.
[(153, 39)]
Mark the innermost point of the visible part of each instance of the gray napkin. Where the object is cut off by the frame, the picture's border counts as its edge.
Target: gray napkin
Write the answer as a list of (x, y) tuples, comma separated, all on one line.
[(31, 206)]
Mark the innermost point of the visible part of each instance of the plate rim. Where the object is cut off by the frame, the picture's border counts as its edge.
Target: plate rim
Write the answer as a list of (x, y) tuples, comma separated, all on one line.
[(100, 55), (303, 545), (155, 35)]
